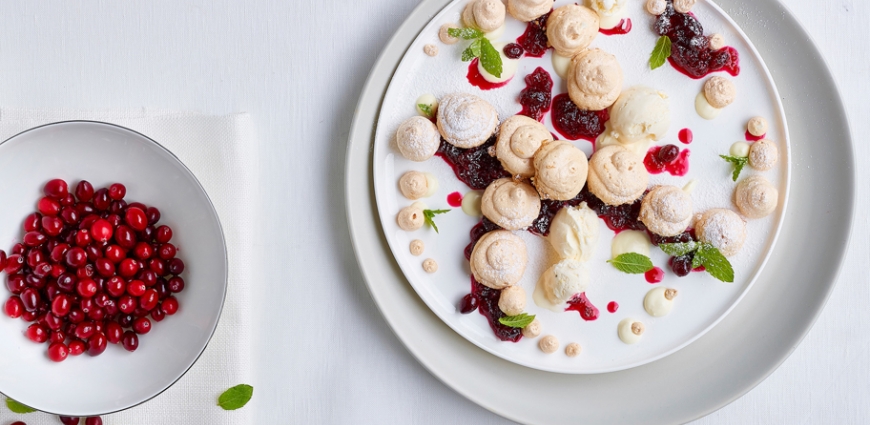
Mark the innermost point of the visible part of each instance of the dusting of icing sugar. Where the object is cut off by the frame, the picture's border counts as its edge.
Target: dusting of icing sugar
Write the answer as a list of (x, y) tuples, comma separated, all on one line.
[(416, 138), (464, 117)]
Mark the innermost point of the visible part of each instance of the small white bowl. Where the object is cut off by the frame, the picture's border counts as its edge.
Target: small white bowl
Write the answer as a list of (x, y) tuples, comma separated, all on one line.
[(104, 154)]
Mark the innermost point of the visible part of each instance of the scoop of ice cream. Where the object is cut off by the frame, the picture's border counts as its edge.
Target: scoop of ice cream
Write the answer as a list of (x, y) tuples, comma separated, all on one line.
[(720, 92), (756, 197), (666, 210), (571, 28), (610, 12), (640, 113), (529, 10), (574, 232), (513, 205), (519, 138), (512, 300), (499, 259), (594, 79), (485, 15), (722, 228), (465, 120), (560, 170), (563, 280), (763, 155), (617, 176), (418, 139), (757, 126)]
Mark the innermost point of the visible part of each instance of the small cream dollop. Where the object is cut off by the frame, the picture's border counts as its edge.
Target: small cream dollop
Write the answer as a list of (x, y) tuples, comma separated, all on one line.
[(430, 266), (656, 7), (573, 349), (720, 92), (430, 50), (533, 329), (574, 232), (739, 150), (444, 34), (610, 12), (636, 241), (549, 344), (512, 300), (417, 247), (690, 186), (757, 126), (471, 203), (410, 218), (763, 155), (418, 139), (704, 109), (630, 330), (659, 301), (684, 6), (716, 42), (415, 185), (428, 101), (756, 197), (561, 64)]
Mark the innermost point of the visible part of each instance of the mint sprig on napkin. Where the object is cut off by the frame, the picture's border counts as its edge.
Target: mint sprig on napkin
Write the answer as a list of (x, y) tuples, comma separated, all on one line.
[(17, 407), (236, 397)]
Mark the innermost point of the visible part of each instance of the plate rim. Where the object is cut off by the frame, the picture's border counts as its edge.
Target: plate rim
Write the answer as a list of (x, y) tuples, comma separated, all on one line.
[(212, 209)]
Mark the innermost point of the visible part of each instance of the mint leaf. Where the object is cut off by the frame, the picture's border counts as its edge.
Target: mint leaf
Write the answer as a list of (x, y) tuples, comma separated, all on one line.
[(679, 249), (426, 109), (17, 407), (428, 215), (716, 264), (473, 51), (660, 53), (739, 163), (465, 33), (696, 262), (519, 321), (236, 397), (632, 263), (490, 58)]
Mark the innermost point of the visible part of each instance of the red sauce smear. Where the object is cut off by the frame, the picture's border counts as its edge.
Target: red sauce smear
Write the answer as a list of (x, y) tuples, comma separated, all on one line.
[(476, 78), (678, 167), (690, 48), (536, 98), (622, 28), (612, 306), (454, 199), (751, 138), (582, 305), (654, 275), (574, 123), (534, 41), (686, 136)]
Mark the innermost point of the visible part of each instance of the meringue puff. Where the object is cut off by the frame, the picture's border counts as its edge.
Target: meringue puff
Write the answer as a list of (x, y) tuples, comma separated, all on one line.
[(499, 259), (720, 92), (465, 120), (519, 137), (763, 155), (722, 228), (513, 205), (560, 170), (485, 15), (594, 80), (756, 197), (418, 139), (571, 28), (617, 176), (666, 210), (529, 10)]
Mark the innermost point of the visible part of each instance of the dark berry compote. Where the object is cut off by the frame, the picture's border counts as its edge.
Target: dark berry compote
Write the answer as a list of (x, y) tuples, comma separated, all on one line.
[(534, 41), (617, 218), (475, 167), (537, 96), (574, 123), (690, 48)]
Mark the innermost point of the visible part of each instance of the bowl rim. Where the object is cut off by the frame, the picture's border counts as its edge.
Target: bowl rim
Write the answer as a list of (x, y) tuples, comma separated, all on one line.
[(222, 240)]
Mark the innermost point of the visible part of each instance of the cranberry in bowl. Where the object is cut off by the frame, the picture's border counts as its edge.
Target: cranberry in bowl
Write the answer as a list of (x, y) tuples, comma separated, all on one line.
[(125, 275)]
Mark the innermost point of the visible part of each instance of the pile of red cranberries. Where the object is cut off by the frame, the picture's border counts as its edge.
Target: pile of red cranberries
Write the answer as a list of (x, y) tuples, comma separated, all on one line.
[(90, 270)]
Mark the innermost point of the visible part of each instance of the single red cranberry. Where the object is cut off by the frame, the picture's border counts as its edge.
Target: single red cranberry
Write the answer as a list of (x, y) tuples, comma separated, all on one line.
[(84, 191), (87, 288), (169, 306), (58, 352), (681, 265), (34, 238), (153, 215), (100, 299), (111, 308), (93, 252), (48, 206), (130, 341), (66, 420), (69, 215), (18, 423), (52, 291), (67, 201), (114, 220), (162, 288), (125, 237), (83, 238), (101, 230), (30, 299), (66, 282), (176, 284), (34, 257), (148, 233), (37, 333), (513, 51), (118, 207), (42, 270), (668, 153), (29, 316), (18, 248), (57, 270), (85, 208), (97, 344), (52, 226), (61, 305), (164, 234), (104, 267), (33, 222), (87, 304), (117, 191), (14, 308), (166, 251), (88, 221), (143, 251), (158, 266), (127, 304), (157, 315), (85, 272), (75, 257), (76, 347), (116, 286), (136, 288), (148, 301), (58, 252), (114, 332), (84, 330), (148, 276), (115, 253), (34, 281), (76, 316), (176, 266), (56, 188), (97, 314), (142, 326), (15, 284), (136, 219), (56, 336), (102, 202), (128, 268), (53, 322)]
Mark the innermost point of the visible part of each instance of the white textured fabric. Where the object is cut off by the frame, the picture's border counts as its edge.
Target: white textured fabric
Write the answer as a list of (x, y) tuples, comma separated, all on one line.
[(221, 151)]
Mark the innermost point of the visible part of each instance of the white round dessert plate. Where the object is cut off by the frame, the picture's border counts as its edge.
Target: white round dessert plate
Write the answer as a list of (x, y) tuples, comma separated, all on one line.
[(702, 301), (720, 366), (104, 154)]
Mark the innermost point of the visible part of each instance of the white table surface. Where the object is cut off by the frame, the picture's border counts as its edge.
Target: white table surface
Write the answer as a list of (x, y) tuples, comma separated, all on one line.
[(323, 352)]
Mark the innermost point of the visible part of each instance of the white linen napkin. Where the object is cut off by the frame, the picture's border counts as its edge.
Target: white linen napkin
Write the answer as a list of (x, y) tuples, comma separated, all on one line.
[(222, 152)]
